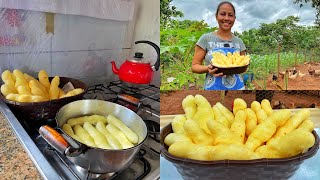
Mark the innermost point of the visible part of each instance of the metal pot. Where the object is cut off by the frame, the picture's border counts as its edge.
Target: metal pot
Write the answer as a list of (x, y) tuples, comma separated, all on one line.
[(93, 159)]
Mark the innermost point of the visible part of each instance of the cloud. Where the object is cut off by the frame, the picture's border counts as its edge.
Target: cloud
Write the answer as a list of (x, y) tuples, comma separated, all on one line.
[(250, 13)]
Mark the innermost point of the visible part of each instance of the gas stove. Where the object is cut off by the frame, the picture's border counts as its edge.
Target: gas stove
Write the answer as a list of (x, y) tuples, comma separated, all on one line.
[(145, 101)]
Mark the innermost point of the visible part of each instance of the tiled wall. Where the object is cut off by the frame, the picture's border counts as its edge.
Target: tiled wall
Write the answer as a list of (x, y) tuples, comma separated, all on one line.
[(81, 47)]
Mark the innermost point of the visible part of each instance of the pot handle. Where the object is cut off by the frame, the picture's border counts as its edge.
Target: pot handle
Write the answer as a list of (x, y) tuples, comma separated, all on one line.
[(156, 65), (54, 138), (128, 98), (58, 142)]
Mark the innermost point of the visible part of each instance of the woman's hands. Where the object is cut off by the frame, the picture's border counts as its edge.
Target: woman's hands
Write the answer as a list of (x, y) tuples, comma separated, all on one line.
[(212, 71)]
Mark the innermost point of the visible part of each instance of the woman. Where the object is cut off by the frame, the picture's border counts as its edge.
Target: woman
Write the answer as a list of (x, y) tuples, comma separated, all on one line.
[(223, 41)]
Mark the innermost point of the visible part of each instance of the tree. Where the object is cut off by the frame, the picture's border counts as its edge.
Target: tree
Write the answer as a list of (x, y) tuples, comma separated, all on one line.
[(168, 11), (314, 4)]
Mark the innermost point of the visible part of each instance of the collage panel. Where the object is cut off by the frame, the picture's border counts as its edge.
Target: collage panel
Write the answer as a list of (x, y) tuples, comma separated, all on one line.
[(233, 45), (225, 134), (239, 89), (79, 96), (169, 89)]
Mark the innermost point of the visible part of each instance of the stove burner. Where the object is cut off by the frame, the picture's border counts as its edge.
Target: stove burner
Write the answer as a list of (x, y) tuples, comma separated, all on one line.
[(93, 176), (153, 129), (148, 96), (137, 170), (146, 162)]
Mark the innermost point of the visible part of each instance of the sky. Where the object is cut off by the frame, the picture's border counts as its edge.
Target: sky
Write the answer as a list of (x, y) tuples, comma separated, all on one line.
[(249, 13)]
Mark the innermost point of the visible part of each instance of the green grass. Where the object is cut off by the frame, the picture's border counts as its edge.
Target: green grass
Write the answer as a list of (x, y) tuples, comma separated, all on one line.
[(261, 66)]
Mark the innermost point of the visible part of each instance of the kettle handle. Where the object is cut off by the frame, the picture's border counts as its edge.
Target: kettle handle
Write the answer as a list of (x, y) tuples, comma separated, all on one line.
[(156, 65)]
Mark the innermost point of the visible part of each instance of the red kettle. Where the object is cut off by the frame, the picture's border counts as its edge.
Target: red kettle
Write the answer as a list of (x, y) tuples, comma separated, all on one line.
[(137, 70)]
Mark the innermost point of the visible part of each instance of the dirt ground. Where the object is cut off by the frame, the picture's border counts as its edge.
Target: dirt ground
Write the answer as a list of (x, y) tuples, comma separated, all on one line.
[(307, 82), (171, 101)]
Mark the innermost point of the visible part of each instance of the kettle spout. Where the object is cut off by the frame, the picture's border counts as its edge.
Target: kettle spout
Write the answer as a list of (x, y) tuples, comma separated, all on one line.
[(114, 68)]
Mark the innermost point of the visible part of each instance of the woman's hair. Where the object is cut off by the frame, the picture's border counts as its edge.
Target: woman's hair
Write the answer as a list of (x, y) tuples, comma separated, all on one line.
[(225, 2)]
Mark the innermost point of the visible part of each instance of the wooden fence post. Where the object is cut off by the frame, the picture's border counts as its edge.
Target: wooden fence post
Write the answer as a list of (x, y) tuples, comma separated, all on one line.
[(305, 55), (311, 56), (296, 55), (279, 46)]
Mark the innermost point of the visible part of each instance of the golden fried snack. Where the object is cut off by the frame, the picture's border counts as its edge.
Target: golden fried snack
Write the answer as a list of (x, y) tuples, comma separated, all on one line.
[(265, 105), (98, 138), (20, 79), (266, 152), (6, 75), (228, 114), (181, 149), (12, 97), (84, 136), (73, 92), (238, 127), (39, 85), (67, 129), (262, 133), (307, 125), (232, 152), (8, 78), (120, 136), (112, 141), (201, 102), (189, 106), (177, 124), (220, 117), (293, 122), (54, 88), (24, 90), (297, 141), (93, 119), (44, 79), (132, 137), (255, 106), (280, 117), (174, 137), (24, 98), (203, 115), (261, 115), (36, 98), (5, 90), (222, 134), (245, 61), (36, 90), (28, 77), (201, 152), (10, 83), (191, 151), (251, 120), (229, 60), (29, 98), (198, 135), (239, 104)]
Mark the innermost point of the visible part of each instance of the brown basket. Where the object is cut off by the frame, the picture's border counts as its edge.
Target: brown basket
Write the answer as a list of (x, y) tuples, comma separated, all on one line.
[(231, 70), (38, 111), (236, 169)]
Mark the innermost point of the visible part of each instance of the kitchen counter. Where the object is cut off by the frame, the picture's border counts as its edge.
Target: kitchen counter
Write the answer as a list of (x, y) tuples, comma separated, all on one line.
[(14, 161)]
